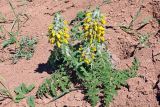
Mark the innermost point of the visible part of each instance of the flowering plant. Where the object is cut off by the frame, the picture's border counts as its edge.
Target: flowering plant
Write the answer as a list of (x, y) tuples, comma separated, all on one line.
[(81, 53)]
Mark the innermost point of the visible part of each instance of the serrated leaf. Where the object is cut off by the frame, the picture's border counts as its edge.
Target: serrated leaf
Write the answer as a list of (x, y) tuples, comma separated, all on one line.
[(53, 90), (81, 15), (18, 90), (19, 97), (24, 89), (30, 87)]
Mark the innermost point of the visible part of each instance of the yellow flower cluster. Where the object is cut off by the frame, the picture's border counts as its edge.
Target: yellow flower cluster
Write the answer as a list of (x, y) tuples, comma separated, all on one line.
[(94, 27), (87, 54), (94, 31), (58, 33)]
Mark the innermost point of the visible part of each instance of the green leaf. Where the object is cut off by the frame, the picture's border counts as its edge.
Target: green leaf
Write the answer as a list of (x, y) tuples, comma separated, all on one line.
[(9, 41), (19, 97), (81, 15), (5, 43), (143, 40), (30, 101), (25, 49), (30, 87), (53, 90), (24, 89), (135, 65), (18, 90)]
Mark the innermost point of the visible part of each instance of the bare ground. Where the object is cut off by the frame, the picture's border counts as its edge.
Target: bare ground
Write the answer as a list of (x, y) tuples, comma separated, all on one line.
[(142, 91)]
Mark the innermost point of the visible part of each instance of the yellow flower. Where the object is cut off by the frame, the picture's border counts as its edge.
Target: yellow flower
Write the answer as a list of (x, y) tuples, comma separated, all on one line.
[(58, 36), (103, 39), (103, 17), (65, 22), (83, 54), (65, 29), (53, 32), (80, 48), (101, 28), (90, 32), (95, 23), (98, 35), (93, 55), (88, 20), (58, 44), (94, 48), (95, 28), (52, 40), (98, 32), (99, 39), (102, 33), (86, 27), (91, 40), (65, 41), (66, 35), (86, 33), (87, 61), (50, 27), (88, 14), (60, 32), (103, 21)]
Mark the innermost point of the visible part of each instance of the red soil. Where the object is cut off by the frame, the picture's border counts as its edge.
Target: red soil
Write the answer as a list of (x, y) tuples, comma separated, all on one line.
[(141, 91)]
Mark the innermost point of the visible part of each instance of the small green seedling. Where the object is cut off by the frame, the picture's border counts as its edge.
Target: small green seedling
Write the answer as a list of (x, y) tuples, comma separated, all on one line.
[(21, 91), (25, 49)]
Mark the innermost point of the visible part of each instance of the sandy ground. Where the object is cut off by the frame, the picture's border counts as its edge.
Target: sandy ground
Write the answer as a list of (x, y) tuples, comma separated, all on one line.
[(142, 91)]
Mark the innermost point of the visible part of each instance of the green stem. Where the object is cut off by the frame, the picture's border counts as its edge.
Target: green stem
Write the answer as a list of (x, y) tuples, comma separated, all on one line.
[(136, 16), (16, 16), (10, 95)]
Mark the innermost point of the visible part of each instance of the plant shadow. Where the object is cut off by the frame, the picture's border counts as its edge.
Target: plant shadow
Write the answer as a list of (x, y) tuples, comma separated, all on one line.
[(53, 63), (44, 67)]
